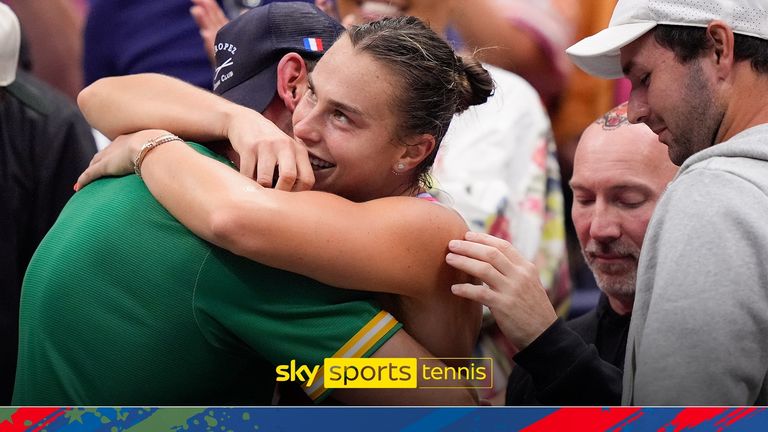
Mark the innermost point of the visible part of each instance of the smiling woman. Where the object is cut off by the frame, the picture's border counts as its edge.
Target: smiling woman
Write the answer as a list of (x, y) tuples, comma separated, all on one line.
[(345, 121), (394, 100), (377, 106)]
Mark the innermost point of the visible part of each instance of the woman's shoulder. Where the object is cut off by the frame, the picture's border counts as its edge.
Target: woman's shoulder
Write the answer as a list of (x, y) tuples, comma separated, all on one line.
[(422, 211)]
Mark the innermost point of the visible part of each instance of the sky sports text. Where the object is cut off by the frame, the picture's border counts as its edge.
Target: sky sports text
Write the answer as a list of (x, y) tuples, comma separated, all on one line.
[(393, 373)]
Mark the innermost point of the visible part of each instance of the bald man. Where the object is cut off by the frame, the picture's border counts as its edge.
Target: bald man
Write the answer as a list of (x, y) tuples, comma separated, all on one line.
[(620, 172)]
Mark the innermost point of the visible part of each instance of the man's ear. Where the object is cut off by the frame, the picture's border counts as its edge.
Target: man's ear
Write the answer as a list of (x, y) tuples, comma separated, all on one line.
[(291, 79), (722, 39), (417, 148)]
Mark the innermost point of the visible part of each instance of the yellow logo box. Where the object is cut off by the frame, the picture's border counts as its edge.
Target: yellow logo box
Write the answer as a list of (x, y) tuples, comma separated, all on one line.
[(408, 373), (370, 372)]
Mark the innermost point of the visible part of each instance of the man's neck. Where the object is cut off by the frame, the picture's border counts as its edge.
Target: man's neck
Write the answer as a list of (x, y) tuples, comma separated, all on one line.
[(621, 306), (746, 102)]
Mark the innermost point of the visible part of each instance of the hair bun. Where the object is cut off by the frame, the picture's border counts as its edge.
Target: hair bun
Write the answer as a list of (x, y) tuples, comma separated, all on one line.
[(475, 83)]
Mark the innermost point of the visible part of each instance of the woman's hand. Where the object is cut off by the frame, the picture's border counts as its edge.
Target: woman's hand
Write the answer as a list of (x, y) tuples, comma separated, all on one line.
[(117, 158), (511, 286), (263, 148)]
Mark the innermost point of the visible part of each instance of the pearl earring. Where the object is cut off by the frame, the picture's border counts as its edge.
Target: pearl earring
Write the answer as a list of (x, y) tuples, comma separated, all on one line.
[(399, 168)]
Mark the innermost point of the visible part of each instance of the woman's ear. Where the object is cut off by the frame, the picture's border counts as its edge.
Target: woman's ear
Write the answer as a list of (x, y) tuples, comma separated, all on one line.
[(291, 79), (417, 148)]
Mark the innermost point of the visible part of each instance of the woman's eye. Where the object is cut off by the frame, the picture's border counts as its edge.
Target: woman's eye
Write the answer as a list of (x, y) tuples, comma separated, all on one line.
[(645, 80), (340, 116)]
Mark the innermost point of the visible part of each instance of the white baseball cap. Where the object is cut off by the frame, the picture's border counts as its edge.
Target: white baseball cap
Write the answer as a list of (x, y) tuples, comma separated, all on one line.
[(599, 54), (10, 39)]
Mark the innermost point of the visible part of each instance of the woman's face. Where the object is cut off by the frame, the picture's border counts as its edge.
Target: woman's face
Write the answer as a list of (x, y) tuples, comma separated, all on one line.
[(347, 122)]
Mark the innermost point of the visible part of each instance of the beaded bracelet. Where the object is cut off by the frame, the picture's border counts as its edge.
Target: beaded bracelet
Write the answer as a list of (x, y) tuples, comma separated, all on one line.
[(154, 142)]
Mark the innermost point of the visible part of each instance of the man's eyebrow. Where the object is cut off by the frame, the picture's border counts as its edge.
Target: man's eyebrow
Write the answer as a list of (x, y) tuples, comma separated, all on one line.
[(629, 186), (336, 104)]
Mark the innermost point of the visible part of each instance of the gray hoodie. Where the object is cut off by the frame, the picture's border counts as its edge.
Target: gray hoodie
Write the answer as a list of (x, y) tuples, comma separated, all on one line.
[(699, 332)]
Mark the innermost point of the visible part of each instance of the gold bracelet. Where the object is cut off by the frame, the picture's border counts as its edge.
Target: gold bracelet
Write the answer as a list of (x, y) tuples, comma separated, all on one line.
[(154, 142)]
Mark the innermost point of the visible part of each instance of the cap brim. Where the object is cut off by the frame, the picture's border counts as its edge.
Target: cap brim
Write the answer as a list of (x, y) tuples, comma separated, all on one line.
[(9, 45), (599, 54), (256, 92), (7, 76)]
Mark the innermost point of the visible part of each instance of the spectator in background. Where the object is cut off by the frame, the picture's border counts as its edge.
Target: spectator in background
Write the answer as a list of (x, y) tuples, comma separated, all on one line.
[(620, 173), (44, 145)]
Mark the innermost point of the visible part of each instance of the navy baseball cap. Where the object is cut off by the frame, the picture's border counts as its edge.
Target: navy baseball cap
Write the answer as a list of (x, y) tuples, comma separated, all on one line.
[(249, 48)]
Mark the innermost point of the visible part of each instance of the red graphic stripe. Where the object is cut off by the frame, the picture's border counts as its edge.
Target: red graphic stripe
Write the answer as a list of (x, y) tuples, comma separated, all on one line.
[(24, 418), (737, 415), (50, 420), (582, 419), (628, 420), (690, 417)]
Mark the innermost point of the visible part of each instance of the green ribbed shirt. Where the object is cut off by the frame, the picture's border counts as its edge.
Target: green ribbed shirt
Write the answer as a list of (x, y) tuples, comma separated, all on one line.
[(123, 305)]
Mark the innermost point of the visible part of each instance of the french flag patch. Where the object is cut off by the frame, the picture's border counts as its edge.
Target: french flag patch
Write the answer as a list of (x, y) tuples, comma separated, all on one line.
[(313, 44)]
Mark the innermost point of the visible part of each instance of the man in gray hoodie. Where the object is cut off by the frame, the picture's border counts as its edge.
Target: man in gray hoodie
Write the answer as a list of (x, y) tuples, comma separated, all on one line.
[(699, 73)]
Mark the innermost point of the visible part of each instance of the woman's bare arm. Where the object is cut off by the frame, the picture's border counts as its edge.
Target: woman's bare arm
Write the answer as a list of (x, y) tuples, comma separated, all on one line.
[(131, 103), (395, 245)]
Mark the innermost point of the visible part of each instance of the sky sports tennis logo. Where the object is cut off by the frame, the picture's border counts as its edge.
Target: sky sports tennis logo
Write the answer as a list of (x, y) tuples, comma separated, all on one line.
[(392, 373)]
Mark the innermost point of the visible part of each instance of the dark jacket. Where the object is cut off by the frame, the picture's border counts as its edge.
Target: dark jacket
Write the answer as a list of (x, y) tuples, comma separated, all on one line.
[(44, 146), (578, 362)]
